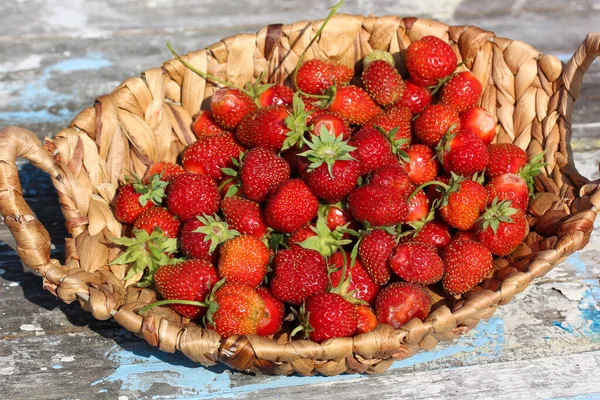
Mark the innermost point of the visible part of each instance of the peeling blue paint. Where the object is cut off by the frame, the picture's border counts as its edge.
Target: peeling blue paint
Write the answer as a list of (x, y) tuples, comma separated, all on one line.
[(93, 60)]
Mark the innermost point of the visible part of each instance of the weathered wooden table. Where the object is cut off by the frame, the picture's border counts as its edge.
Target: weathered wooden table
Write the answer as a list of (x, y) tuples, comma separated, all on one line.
[(57, 56)]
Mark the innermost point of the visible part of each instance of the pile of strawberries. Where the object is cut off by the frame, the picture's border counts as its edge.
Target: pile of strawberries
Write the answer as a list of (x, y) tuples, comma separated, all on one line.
[(336, 204)]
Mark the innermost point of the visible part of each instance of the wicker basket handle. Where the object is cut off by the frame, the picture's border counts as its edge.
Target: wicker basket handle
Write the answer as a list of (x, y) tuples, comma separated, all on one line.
[(33, 240), (573, 74)]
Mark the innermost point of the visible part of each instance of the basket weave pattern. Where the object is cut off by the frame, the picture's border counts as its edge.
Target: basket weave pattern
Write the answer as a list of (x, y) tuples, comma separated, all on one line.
[(147, 119)]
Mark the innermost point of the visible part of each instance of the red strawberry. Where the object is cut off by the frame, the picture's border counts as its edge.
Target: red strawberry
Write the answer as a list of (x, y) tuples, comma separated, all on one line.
[(502, 228), (244, 215), (465, 235), (383, 82), (467, 263), (244, 259), (377, 205), (462, 91), (353, 104), (328, 315), (200, 237), (429, 59), (417, 262), (272, 320), (418, 207), (360, 282), (191, 194), (421, 166), (480, 122), (463, 153), (210, 154), (434, 122), (434, 233), (261, 171), (239, 310), (331, 121), (188, 280), (205, 125), (463, 202), (400, 302), (265, 127), (510, 187), (302, 234), (158, 217), (394, 178), (230, 105), (316, 76), (504, 158), (373, 149), (365, 318), (396, 122), (128, 204), (332, 172), (337, 216), (298, 273), (168, 170), (290, 206), (276, 95), (416, 98), (374, 251)]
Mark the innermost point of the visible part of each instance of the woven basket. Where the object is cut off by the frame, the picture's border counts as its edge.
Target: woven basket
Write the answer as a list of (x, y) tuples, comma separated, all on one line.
[(147, 119)]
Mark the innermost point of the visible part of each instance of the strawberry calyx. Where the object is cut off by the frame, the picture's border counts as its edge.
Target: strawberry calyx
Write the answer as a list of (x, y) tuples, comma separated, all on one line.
[(495, 213), (153, 191), (397, 144), (529, 171), (442, 81), (303, 325), (445, 189), (326, 148), (146, 253), (232, 177), (445, 144), (296, 123), (326, 241), (215, 230), (343, 286)]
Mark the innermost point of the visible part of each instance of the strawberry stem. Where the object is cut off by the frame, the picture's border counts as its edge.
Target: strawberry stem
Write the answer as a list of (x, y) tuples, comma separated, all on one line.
[(424, 185), (165, 302), (202, 73), (332, 12)]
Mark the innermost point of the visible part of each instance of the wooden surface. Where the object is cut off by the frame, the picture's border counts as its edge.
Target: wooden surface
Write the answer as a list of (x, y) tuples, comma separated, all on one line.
[(56, 58)]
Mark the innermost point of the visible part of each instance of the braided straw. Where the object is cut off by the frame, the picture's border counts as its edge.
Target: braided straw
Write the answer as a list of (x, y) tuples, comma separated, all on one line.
[(147, 119)]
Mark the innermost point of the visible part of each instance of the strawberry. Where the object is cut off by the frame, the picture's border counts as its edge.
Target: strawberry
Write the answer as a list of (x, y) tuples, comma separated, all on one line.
[(191, 194), (290, 206), (244, 215), (374, 251), (210, 154), (188, 280), (167, 172), (502, 228), (428, 60), (238, 310), (361, 285), (337, 216), (200, 237), (332, 172), (265, 127), (462, 91), (332, 122), (480, 122), (353, 104), (383, 82), (316, 76), (130, 202), (510, 187), (400, 302), (417, 262), (394, 178), (377, 205), (262, 170), (158, 217), (504, 158), (327, 315), (434, 233), (378, 55), (373, 149), (302, 234), (230, 105), (418, 207), (467, 263), (463, 153), (365, 318), (434, 122), (276, 95), (396, 122), (421, 166), (416, 98), (244, 259), (463, 202), (205, 125), (298, 273), (272, 320), (465, 235)]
